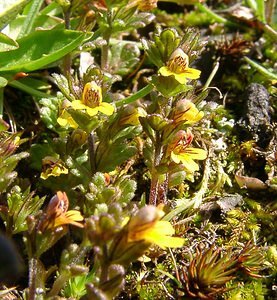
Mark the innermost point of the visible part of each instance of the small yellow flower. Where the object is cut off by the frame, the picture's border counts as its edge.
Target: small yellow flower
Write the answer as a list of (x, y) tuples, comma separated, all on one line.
[(177, 66), (52, 166), (140, 232), (146, 226), (92, 101), (180, 152), (186, 111), (57, 214), (65, 119), (130, 116)]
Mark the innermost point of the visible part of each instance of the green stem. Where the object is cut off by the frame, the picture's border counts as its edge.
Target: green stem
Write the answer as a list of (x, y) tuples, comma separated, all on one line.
[(211, 77), (58, 284), (261, 10), (91, 150), (67, 58), (261, 69), (214, 16), (270, 31), (155, 182), (21, 86), (1, 102), (140, 94), (196, 201), (270, 10)]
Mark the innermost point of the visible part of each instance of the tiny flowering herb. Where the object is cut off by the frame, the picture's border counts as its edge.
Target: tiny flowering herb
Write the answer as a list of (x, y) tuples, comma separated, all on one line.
[(177, 66), (92, 101), (52, 166), (180, 151), (57, 213)]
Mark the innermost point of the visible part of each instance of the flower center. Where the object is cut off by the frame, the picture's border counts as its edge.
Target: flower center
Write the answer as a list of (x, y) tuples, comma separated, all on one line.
[(92, 95), (178, 62)]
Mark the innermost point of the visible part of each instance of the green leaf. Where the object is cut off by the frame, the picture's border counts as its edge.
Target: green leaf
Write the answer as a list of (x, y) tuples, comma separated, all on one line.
[(3, 82), (108, 158), (261, 69), (39, 49), (123, 58), (168, 86), (9, 11), (6, 43), (30, 19)]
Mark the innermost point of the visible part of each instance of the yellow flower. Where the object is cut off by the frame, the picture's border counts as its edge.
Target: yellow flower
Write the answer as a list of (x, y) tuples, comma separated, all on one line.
[(130, 116), (57, 214), (65, 119), (146, 226), (186, 111), (177, 66), (140, 232), (92, 101), (52, 166), (180, 152)]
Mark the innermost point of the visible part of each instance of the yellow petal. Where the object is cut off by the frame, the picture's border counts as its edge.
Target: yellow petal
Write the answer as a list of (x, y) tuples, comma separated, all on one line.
[(92, 111), (66, 119), (196, 153), (74, 215), (62, 122), (192, 73), (181, 78), (187, 161), (106, 108), (164, 71), (175, 157), (160, 233), (77, 104)]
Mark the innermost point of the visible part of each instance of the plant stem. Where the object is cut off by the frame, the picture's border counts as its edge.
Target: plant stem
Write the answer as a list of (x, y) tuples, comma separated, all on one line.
[(214, 16), (270, 10), (67, 58), (23, 87), (261, 69), (91, 150), (140, 94), (212, 75), (104, 266), (155, 182), (1, 102), (32, 278)]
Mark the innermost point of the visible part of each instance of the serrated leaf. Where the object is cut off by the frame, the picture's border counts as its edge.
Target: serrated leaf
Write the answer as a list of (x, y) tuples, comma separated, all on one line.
[(114, 156), (39, 49)]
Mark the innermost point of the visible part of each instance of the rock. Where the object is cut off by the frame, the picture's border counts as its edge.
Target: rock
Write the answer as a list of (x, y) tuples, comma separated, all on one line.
[(255, 121)]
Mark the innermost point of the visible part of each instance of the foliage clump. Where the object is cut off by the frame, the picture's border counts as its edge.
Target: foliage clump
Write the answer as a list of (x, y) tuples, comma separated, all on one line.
[(146, 167)]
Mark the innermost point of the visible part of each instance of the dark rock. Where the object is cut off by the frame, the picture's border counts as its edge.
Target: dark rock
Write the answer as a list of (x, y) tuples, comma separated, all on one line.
[(255, 120)]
